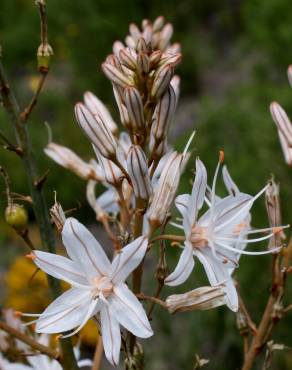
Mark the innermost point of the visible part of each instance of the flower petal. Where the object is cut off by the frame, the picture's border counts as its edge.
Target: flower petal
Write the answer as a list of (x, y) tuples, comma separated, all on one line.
[(217, 273), (111, 335), (184, 267), (65, 313), (129, 312), (128, 259), (229, 183), (198, 192), (60, 267), (83, 248)]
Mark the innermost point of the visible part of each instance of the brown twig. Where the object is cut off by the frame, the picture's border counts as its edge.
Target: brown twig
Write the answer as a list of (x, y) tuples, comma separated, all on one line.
[(28, 340), (158, 301), (9, 145)]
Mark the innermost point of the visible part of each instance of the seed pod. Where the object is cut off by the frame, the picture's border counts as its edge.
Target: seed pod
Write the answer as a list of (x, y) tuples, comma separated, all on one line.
[(16, 216), (204, 298), (44, 54), (96, 131), (161, 81), (134, 106), (282, 121), (97, 108), (66, 158), (115, 75), (165, 36), (58, 215), (138, 172), (165, 191), (163, 114), (143, 63), (127, 59)]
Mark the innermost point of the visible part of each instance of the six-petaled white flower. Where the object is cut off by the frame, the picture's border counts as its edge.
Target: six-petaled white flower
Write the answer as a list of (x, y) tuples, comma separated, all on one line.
[(98, 286)]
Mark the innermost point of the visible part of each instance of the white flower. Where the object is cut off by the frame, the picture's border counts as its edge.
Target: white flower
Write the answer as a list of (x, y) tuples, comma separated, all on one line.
[(97, 286), (40, 361), (216, 238)]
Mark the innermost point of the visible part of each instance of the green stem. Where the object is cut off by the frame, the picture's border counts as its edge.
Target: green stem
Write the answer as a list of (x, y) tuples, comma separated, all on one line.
[(39, 202)]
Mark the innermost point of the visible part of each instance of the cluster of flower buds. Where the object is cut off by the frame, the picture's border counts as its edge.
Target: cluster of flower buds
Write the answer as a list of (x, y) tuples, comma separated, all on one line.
[(284, 125)]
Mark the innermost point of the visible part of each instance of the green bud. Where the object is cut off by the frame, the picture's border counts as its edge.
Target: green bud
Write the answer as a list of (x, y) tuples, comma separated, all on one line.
[(16, 216)]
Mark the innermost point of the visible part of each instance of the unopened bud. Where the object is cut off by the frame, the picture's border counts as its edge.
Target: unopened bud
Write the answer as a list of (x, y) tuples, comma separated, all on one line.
[(97, 108), (274, 214), (66, 158), (141, 46), (143, 64), (96, 131), (58, 216), (111, 172), (166, 189), (44, 54), (116, 76), (16, 216), (155, 58), (165, 36), (127, 58), (130, 42), (138, 172), (175, 83), (282, 121), (204, 298), (289, 73), (134, 32), (174, 48), (147, 35), (124, 115), (117, 47), (161, 81), (287, 150), (158, 23), (163, 114), (134, 106), (170, 59)]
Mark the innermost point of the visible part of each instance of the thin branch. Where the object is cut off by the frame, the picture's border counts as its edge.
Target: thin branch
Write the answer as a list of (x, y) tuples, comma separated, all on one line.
[(9, 145), (158, 301), (97, 354), (28, 340), (174, 238)]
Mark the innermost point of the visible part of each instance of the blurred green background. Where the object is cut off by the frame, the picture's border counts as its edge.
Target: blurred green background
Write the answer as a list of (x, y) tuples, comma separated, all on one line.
[(235, 56)]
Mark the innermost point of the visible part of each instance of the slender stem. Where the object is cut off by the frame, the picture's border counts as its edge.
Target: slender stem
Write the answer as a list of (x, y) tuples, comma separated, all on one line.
[(97, 354), (153, 302), (174, 238), (28, 340), (152, 299), (39, 202)]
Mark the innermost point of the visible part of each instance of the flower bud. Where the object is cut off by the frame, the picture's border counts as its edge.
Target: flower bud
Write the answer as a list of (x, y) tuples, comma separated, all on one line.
[(96, 131), (143, 63), (161, 81), (204, 298), (165, 191), (287, 151), (174, 48), (141, 46), (147, 35), (130, 42), (155, 58), (163, 114), (134, 32), (289, 72), (165, 36), (134, 106), (115, 75), (175, 83), (58, 215), (44, 54), (111, 172), (138, 172), (124, 115), (97, 108), (16, 216), (158, 23), (66, 158), (127, 58), (274, 213), (170, 59), (282, 121), (157, 149), (117, 47)]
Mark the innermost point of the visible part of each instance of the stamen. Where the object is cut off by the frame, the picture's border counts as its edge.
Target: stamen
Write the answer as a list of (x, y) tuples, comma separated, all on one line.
[(239, 251), (256, 231), (179, 226), (243, 209), (213, 195), (246, 240)]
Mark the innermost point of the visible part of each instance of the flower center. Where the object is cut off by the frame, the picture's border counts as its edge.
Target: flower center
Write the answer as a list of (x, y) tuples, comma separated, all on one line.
[(102, 285), (238, 228), (199, 237)]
